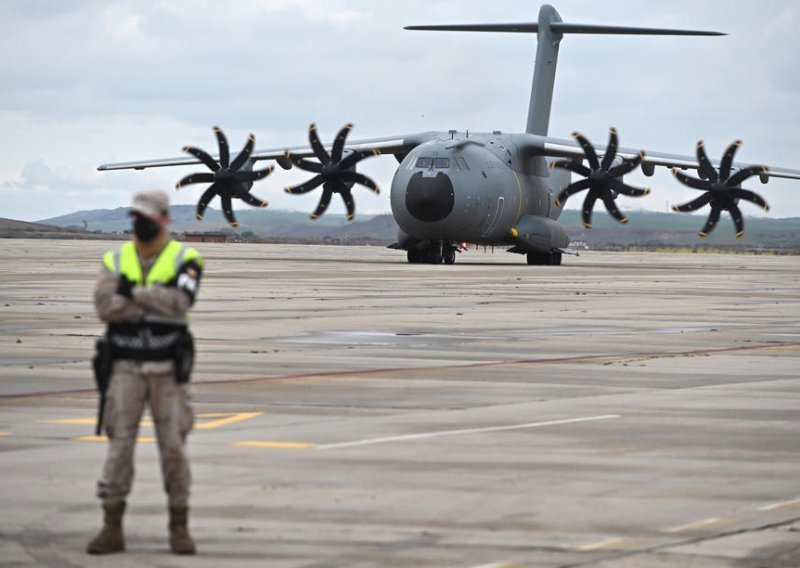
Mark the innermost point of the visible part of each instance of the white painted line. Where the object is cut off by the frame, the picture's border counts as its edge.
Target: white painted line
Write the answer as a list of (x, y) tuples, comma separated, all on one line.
[(696, 525), (440, 433), (780, 505)]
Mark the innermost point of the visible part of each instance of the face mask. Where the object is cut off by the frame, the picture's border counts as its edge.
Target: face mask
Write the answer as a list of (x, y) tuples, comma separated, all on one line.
[(145, 228)]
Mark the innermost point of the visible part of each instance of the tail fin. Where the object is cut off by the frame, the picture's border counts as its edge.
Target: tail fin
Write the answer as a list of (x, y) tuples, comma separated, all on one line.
[(550, 29)]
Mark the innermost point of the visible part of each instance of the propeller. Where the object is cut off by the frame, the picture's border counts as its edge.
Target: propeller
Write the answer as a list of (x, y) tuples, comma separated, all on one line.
[(722, 190), (600, 178), (229, 180), (335, 171)]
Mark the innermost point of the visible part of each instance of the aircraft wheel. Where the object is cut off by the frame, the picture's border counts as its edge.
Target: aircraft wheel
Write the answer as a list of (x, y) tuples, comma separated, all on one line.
[(557, 258), (450, 255), (413, 256), (534, 259)]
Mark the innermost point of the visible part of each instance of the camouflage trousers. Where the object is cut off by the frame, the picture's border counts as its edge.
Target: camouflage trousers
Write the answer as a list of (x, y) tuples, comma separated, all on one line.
[(134, 384)]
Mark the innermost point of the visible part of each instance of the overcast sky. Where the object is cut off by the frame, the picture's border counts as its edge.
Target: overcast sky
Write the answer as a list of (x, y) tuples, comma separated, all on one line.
[(94, 81)]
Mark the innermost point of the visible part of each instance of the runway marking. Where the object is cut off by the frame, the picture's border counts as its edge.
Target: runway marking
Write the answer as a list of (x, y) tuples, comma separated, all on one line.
[(440, 433), (4, 434), (230, 418), (280, 445), (500, 565), (147, 422), (144, 439), (781, 505), (696, 525), (608, 544)]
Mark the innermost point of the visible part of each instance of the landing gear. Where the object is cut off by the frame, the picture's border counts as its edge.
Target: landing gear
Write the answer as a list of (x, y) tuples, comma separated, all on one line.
[(434, 253), (544, 259)]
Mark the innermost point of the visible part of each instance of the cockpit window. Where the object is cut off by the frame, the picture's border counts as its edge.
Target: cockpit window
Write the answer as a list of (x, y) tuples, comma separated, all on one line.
[(439, 163)]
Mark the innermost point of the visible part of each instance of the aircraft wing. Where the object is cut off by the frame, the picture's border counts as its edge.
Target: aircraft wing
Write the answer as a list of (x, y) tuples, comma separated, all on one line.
[(395, 145), (561, 148)]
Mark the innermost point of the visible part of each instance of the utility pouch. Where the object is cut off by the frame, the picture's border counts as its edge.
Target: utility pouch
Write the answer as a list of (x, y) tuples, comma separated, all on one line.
[(184, 358), (102, 363)]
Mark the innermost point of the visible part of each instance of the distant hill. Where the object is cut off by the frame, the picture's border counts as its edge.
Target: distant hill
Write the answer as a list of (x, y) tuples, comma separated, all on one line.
[(267, 223), (645, 229)]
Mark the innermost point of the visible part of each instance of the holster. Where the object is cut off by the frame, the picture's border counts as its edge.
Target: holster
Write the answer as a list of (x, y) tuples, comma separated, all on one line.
[(183, 357), (102, 363)]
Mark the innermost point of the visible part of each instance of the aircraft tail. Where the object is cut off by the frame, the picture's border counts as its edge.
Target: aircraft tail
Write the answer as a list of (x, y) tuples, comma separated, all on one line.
[(550, 29)]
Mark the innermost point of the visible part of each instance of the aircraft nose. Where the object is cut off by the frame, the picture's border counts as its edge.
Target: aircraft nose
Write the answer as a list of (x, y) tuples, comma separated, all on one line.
[(430, 199)]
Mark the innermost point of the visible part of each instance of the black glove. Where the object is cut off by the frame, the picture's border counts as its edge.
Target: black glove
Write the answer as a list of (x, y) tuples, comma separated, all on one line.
[(125, 287)]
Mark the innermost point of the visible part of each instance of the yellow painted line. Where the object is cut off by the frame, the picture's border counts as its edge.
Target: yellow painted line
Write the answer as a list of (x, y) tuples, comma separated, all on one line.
[(223, 419), (696, 525), (80, 421), (280, 445), (105, 439), (781, 505), (5, 433), (230, 419), (608, 544)]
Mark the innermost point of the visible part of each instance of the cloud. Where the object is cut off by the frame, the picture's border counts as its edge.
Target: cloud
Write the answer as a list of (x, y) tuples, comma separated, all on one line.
[(99, 81)]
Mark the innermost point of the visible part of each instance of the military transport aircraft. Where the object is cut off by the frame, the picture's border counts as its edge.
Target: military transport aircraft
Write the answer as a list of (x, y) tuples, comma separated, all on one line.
[(483, 188)]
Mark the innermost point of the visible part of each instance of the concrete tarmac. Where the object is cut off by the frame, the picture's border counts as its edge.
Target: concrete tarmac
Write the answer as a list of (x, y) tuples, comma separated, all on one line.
[(621, 410)]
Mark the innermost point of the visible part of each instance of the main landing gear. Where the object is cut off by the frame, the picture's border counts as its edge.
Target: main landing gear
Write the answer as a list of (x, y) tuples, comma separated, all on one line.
[(544, 259), (435, 253)]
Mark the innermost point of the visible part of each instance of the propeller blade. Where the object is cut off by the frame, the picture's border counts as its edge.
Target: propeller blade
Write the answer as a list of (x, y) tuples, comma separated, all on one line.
[(626, 167), (713, 218), (745, 173), (360, 179), (338, 143), (572, 166), (738, 221), (747, 195), (701, 184), (705, 164), (227, 210), (195, 178), (324, 201), (611, 207), (202, 156), (352, 159), (205, 199), (250, 199), (727, 160), (244, 155), (572, 189), (694, 204), (313, 183), (254, 175), (224, 153), (588, 205), (349, 203), (316, 145), (588, 149), (611, 149), (303, 164), (626, 189)]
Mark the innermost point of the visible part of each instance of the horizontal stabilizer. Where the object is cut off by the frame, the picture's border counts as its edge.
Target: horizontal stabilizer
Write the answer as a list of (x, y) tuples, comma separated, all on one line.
[(562, 28)]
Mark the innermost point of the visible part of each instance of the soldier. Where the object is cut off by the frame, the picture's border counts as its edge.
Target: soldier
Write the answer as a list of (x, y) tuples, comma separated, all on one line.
[(144, 291)]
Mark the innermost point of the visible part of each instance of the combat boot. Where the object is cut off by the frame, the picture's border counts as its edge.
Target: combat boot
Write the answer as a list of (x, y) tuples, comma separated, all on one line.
[(110, 538), (180, 541)]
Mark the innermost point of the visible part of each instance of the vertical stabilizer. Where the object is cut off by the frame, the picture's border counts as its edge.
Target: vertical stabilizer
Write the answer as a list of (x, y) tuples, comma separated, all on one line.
[(544, 72)]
